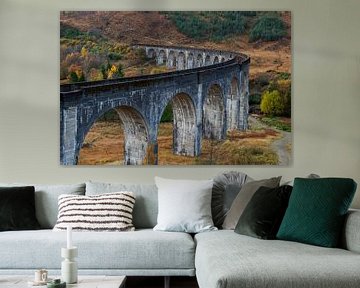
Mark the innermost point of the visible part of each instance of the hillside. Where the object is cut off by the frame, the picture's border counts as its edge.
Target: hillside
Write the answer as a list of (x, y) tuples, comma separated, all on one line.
[(157, 28)]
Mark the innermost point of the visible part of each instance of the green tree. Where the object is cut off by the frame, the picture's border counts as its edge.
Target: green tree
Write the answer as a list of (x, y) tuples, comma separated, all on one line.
[(81, 77), (167, 116), (272, 103), (268, 28), (73, 77), (115, 72), (284, 88)]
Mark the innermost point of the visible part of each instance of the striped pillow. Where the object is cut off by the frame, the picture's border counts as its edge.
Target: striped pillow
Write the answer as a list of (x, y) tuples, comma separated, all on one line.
[(105, 212)]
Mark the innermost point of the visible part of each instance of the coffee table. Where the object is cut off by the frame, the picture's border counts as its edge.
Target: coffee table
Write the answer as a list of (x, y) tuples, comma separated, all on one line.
[(84, 281)]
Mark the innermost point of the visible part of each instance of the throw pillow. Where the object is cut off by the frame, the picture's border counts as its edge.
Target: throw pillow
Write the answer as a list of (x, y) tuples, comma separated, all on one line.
[(184, 205), (263, 215), (106, 212), (243, 198), (146, 205), (46, 200), (226, 187), (17, 209), (317, 209), (312, 176)]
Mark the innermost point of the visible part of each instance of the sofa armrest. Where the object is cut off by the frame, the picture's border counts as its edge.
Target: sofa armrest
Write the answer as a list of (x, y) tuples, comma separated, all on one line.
[(351, 234)]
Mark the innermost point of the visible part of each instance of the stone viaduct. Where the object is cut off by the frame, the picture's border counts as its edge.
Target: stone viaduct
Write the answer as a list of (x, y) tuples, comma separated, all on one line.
[(208, 91)]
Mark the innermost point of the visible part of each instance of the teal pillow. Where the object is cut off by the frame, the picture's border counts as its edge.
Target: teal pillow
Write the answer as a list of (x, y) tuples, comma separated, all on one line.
[(316, 211)]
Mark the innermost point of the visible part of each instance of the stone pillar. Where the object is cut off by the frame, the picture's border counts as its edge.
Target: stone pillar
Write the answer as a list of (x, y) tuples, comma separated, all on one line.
[(214, 121), (184, 125), (68, 136), (244, 98), (136, 135), (152, 156), (233, 105), (199, 116)]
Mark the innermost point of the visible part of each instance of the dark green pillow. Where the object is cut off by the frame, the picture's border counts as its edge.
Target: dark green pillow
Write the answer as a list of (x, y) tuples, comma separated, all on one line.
[(263, 214), (17, 208), (316, 211)]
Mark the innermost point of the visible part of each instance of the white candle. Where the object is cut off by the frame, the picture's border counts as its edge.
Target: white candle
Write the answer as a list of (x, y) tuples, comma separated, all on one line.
[(69, 239)]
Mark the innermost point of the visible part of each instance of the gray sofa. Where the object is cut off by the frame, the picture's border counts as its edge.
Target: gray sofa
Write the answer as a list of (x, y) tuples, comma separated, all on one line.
[(218, 259)]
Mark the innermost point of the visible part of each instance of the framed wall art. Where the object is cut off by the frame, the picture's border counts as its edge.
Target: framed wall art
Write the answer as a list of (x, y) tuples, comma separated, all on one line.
[(175, 88)]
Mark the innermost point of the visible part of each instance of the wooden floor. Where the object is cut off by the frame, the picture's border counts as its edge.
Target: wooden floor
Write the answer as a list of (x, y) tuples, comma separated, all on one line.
[(158, 282)]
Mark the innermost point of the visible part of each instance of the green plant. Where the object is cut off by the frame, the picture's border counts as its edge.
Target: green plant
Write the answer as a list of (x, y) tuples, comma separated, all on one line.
[(272, 103), (213, 25), (255, 99), (277, 122), (284, 88), (262, 79), (284, 76), (73, 77), (67, 31), (268, 28), (167, 116), (113, 56)]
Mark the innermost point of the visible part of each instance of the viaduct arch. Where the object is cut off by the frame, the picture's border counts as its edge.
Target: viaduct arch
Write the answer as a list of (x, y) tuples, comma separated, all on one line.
[(208, 91)]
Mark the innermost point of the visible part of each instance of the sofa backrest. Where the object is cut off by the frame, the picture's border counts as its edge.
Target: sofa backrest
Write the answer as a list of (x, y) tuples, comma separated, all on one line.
[(351, 235), (46, 200), (146, 203)]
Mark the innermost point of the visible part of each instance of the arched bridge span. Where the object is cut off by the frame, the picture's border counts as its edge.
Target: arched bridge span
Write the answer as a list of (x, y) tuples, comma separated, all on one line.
[(208, 91)]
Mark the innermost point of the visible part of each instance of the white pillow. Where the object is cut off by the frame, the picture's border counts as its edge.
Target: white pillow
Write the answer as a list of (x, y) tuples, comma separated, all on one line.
[(184, 205), (105, 212)]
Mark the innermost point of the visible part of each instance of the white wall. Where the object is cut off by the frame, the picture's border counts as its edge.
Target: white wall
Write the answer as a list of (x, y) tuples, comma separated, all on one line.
[(326, 90)]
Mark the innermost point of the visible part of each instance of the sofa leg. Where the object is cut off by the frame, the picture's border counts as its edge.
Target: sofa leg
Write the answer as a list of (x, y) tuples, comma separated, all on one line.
[(167, 282)]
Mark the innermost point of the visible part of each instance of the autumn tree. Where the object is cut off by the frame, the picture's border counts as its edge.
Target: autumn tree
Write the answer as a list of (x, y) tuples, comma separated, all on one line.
[(115, 72), (272, 103), (283, 86)]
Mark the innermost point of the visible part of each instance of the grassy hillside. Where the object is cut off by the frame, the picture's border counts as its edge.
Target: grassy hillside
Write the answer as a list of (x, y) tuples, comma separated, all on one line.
[(174, 28)]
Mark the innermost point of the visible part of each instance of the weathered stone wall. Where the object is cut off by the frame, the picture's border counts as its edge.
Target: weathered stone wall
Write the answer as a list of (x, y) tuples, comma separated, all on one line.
[(206, 103)]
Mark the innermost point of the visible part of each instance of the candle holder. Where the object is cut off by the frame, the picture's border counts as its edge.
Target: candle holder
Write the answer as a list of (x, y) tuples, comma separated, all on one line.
[(69, 271)]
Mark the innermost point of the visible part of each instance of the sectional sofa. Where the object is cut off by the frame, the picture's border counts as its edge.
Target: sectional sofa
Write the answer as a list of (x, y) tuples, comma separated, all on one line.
[(218, 259)]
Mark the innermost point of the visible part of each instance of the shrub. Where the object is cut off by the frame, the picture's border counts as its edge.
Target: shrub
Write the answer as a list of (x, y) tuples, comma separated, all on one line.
[(95, 75), (95, 32), (73, 77), (110, 115), (213, 25), (262, 79), (254, 98), (113, 56), (284, 88), (284, 76), (167, 116), (268, 28), (67, 31), (115, 72), (272, 103)]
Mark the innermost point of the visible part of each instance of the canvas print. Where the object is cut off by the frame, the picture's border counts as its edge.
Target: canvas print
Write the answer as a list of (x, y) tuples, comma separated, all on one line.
[(175, 88)]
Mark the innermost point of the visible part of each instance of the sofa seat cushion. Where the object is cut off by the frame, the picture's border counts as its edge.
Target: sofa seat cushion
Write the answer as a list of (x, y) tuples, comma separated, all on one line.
[(142, 249), (226, 259)]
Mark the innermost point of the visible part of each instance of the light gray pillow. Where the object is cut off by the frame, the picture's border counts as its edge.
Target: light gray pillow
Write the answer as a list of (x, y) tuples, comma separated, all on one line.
[(184, 205), (146, 204), (243, 198), (46, 200), (226, 187)]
